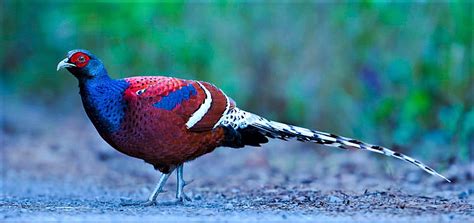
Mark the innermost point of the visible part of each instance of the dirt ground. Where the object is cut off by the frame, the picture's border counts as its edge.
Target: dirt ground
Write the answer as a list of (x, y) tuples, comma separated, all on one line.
[(56, 168)]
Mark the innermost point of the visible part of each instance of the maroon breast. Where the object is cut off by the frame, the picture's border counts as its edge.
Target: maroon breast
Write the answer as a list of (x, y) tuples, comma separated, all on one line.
[(155, 126)]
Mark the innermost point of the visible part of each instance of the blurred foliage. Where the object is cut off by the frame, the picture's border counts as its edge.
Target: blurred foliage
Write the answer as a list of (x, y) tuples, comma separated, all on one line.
[(397, 74)]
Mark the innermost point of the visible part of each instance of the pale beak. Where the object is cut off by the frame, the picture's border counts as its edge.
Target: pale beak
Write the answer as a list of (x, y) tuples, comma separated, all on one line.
[(64, 64)]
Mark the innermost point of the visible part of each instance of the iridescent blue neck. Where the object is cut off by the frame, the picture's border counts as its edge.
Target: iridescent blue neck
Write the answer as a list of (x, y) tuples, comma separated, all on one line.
[(102, 98)]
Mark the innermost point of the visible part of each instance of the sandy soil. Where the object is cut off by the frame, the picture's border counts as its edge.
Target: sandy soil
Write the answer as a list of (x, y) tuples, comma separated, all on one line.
[(58, 169)]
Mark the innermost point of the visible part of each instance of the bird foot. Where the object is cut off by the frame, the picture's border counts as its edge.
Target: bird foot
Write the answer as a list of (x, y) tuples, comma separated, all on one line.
[(183, 198)]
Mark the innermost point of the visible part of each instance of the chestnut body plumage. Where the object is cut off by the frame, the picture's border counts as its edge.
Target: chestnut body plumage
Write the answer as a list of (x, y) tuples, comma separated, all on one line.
[(168, 121), (152, 126)]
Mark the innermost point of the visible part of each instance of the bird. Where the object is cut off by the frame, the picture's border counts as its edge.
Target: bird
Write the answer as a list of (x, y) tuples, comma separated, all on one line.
[(168, 121)]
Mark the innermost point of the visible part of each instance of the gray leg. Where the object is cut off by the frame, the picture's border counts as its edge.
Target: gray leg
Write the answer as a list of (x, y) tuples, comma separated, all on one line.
[(159, 188), (152, 199), (180, 195)]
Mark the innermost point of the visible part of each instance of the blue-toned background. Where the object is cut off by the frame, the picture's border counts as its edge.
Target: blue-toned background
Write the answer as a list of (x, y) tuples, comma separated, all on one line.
[(399, 75)]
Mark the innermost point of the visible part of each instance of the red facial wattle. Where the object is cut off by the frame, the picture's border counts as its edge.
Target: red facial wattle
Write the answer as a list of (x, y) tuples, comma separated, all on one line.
[(80, 59)]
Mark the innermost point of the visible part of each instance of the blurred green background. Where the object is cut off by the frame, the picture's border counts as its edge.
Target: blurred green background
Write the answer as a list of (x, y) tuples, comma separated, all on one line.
[(396, 74)]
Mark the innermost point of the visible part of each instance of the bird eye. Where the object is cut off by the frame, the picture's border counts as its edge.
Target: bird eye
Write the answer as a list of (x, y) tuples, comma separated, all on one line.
[(80, 59)]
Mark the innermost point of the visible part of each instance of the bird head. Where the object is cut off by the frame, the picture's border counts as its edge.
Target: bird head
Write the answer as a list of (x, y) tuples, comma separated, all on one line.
[(82, 64)]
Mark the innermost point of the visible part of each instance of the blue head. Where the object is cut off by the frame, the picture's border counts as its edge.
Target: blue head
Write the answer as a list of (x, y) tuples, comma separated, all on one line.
[(102, 96), (83, 64)]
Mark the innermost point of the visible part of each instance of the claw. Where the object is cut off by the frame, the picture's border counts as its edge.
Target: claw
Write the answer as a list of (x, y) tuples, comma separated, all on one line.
[(183, 199), (148, 203), (187, 198)]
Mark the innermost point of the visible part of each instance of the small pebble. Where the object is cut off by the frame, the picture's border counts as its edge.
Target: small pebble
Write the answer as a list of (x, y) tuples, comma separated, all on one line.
[(269, 191), (285, 198), (334, 199), (301, 198), (125, 199), (197, 197), (463, 195), (229, 206)]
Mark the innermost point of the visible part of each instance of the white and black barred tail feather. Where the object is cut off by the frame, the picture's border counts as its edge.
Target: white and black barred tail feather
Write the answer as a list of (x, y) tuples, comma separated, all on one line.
[(241, 120)]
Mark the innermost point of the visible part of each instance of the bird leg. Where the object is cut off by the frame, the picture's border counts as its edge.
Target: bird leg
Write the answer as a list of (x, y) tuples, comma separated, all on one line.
[(180, 195), (152, 199), (159, 188)]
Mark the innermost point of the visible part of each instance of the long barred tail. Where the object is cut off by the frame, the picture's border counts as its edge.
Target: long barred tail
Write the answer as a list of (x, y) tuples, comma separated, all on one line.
[(241, 120)]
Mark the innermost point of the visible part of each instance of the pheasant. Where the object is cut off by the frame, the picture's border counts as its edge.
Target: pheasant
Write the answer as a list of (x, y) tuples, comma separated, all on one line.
[(167, 121)]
